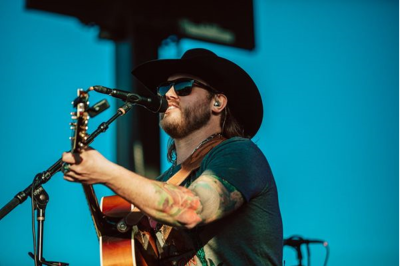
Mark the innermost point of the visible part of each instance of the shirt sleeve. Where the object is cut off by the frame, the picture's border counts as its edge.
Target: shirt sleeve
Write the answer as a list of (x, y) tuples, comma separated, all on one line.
[(241, 163)]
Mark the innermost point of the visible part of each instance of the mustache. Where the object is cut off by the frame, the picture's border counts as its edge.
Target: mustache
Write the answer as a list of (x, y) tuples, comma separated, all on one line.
[(173, 103), (170, 103)]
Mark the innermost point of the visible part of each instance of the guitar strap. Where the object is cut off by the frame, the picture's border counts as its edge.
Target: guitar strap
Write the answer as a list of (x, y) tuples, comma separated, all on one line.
[(193, 162)]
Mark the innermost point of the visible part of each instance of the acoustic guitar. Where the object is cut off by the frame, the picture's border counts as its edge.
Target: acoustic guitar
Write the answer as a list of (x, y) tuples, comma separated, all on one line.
[(119, 245)]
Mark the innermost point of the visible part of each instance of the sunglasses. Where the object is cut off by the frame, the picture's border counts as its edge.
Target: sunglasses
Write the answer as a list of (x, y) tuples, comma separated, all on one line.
[(182, 87)]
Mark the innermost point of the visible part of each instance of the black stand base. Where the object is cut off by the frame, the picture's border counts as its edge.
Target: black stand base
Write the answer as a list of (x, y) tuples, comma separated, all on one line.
[(48, 263)]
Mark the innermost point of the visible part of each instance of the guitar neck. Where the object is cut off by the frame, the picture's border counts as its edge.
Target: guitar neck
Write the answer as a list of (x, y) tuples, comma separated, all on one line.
[(96, 213)]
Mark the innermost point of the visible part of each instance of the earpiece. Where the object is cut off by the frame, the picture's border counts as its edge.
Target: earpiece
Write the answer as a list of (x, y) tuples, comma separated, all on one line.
[(217, 104)]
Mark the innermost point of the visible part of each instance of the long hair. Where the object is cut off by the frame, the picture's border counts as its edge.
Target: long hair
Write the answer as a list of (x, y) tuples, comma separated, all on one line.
[(229, 125)]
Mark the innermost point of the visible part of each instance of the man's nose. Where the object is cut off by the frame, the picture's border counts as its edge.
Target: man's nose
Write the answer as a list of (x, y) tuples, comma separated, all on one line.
[(171, 93)]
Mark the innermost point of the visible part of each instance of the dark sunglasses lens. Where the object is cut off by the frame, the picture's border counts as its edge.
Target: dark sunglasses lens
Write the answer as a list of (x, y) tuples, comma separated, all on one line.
[(164, 88), (183, 87)]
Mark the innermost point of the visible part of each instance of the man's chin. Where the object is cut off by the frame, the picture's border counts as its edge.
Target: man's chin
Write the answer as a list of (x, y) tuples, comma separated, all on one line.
[(172, 130), (171, 117), (169, 124)]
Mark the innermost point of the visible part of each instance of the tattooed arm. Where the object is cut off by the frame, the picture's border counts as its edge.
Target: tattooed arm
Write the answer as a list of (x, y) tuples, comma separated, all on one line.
[(207, 199), (218, 197)]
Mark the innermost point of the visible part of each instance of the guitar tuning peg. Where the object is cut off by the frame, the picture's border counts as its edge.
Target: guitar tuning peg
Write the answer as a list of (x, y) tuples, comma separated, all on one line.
[(74, 117), (73, 113), (71, 138)]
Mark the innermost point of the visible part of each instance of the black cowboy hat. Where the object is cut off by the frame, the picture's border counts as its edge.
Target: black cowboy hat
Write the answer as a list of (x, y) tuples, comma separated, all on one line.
[(244, 99)]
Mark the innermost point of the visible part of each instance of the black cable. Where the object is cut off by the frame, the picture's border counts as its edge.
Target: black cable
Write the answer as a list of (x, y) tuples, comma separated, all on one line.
[(327, 253)]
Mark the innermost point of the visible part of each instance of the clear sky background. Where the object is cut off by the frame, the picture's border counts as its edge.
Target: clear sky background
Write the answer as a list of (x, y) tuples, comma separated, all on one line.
[(328, 72)]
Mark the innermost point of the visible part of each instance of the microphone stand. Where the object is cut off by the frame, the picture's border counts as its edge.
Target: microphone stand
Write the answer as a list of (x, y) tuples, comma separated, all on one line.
[(296, 242), (40, 197), (296, 247)]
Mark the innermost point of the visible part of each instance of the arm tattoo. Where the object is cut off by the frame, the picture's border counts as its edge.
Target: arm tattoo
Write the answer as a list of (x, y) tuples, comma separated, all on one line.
[(218, 197), (208, 198), (176, 205)]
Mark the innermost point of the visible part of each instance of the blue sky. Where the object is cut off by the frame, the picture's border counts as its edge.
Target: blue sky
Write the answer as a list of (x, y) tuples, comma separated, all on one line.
[(328, 75)]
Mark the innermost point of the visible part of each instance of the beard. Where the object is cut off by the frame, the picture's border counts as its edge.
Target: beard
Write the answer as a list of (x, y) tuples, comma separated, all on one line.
[(193, 118)]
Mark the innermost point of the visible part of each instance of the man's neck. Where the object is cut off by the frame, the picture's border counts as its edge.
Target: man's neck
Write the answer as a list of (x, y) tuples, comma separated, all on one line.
[(186, 146)]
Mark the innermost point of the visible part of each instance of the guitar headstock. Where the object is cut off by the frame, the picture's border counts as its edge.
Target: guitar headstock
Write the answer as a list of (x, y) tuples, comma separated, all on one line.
[(80, 123)]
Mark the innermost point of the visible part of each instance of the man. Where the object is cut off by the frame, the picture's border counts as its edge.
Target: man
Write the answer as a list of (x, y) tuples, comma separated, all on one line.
[(226, 212)]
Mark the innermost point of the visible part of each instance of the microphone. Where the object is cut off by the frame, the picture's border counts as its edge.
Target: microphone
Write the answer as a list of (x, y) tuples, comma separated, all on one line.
[(298, 241), (98, 108), (154, 103)]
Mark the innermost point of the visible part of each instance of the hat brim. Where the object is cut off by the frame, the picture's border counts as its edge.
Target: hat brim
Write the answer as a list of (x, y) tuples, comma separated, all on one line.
[(223, 75)]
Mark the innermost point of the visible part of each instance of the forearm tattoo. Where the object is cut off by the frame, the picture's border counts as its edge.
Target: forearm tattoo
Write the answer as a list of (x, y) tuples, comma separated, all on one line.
[(176, 205), (207, 199)]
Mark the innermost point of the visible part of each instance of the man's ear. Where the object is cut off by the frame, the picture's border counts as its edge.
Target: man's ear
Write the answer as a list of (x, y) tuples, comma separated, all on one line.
[(218, 103)]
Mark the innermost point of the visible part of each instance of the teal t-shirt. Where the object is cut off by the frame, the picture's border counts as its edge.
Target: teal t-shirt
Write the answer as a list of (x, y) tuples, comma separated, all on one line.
[(252, 235)]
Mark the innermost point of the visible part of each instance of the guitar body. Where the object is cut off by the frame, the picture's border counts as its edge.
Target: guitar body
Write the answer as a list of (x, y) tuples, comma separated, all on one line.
[(115, 251), (137, 247)]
